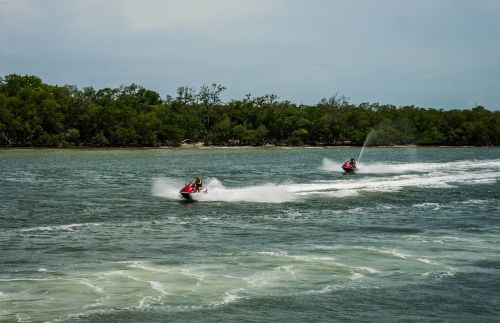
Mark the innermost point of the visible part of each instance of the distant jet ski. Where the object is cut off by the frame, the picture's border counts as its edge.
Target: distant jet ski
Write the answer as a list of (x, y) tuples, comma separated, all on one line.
[(189, 190), (348, 167)]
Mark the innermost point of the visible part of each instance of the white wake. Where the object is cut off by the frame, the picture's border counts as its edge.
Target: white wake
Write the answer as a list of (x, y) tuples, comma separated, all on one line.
[(391, 168), (215, 191), (397, 177)]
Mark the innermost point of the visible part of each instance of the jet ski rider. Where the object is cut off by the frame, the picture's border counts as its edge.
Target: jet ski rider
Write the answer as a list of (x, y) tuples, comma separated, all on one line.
[(352, 162), (198, 184)]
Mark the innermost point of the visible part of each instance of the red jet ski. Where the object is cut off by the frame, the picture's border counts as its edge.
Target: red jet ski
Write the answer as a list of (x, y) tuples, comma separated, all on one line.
[(348, 167), (188, 190)]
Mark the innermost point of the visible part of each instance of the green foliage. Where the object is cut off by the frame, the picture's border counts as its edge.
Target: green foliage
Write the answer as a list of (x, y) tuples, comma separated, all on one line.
[(33, 113), (100, 140), (72, 136)]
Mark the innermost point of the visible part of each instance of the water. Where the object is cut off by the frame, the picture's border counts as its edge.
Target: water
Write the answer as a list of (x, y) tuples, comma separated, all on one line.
[(281, 235), (368, 139)]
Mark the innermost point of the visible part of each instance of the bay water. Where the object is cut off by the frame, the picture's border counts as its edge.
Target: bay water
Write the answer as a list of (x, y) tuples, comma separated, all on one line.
[(282, 234)]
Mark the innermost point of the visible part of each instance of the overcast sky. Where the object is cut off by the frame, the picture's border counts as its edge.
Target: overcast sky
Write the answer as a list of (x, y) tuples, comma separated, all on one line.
[(429, 53)]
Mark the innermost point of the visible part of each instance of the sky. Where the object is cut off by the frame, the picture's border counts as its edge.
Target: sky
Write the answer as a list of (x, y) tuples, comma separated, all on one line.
[(429, 53)]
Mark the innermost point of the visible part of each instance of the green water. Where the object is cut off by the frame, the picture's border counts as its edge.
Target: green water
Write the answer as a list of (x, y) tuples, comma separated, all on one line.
[(281, 235)]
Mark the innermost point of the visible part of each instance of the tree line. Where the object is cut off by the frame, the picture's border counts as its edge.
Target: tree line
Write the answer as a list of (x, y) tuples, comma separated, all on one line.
[(33, 113)]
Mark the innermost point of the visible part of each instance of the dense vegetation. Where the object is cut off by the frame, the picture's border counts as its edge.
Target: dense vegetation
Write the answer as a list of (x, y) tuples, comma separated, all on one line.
[(33, 113)]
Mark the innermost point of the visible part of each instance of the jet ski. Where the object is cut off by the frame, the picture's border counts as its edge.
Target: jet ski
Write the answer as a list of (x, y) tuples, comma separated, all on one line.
[(348, 168), (188, 190)]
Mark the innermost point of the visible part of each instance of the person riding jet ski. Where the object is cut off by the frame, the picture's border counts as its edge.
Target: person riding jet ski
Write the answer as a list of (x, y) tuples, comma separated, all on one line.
[(349, 166), (353, 162), (192, 188), (198, 184)]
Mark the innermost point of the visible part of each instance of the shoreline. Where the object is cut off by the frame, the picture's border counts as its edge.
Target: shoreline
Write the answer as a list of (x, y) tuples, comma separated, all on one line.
[(203, 147)]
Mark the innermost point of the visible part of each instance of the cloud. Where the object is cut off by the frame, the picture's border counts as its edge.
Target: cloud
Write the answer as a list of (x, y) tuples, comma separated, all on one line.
[(190, 15), (424, 52)]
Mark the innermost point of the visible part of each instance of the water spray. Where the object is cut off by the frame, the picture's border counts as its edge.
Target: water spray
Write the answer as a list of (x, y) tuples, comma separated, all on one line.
[(368, 139)]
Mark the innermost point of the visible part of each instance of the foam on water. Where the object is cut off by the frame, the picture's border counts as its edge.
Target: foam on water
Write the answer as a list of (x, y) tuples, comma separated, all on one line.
[(324, 290), (159, 287), (215, 192), (266, 193), (389, 168), (89, 284), (393, 183), (368, 269), (350, 237), (421, 175), (356, 276), (427, 205), (148, 285), (167, 187), (330, 165), (476, 202), (62, 227)]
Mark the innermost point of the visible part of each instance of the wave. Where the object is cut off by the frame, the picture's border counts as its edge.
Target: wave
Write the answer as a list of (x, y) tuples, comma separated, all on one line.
[(383, 168), (215, 191), (341, 188), (61, 227), (133, 284), (337, 188)]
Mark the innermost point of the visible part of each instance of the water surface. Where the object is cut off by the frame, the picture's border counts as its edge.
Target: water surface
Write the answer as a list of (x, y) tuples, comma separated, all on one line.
[(282, 234)]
